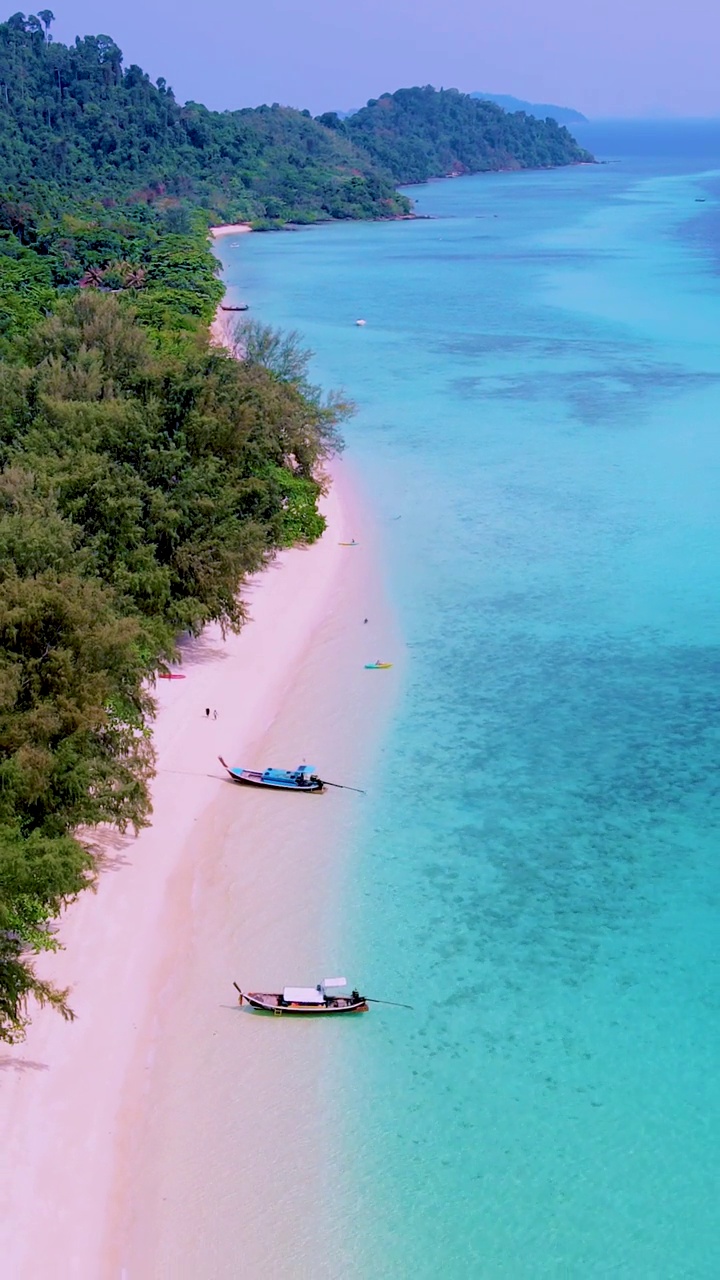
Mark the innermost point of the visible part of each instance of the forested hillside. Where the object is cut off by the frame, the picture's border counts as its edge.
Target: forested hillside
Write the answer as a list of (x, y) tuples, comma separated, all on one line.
[(72, 119), (416, 134)]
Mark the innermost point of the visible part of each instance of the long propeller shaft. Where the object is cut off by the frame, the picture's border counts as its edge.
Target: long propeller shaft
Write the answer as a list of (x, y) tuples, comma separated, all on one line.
[(394, 1003)]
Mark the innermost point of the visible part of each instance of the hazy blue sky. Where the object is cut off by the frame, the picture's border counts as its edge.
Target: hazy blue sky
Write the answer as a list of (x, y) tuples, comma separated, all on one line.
[(606, 57)]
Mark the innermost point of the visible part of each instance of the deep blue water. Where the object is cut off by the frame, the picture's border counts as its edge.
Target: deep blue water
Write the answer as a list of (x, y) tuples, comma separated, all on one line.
[(539, 402)]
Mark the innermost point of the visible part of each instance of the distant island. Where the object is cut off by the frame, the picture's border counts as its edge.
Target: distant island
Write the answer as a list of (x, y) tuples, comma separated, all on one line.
[(541, 110), (421, 133)]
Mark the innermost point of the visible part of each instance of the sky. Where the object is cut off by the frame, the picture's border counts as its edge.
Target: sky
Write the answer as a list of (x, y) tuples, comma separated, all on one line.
[(604, 57)]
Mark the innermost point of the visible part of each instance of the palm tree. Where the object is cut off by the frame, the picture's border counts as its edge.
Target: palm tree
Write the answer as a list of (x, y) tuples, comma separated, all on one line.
[(128, 274), (136, 278), (92, 278)]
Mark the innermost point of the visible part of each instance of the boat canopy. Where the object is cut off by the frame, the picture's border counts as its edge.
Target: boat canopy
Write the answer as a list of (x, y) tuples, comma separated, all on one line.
[(306, 768), (303, 995), (334, 982)]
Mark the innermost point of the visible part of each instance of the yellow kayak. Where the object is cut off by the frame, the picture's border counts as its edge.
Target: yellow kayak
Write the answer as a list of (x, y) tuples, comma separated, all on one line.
[(377, 666)]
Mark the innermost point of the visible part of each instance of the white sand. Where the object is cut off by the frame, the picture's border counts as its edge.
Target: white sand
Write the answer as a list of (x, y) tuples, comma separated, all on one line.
[(223, 325), (156, 1135), (230, 229), (222, 329)]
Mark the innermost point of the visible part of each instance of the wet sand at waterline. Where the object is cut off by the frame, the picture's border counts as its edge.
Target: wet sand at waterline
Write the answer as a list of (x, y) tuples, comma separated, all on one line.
[(166, 1132)]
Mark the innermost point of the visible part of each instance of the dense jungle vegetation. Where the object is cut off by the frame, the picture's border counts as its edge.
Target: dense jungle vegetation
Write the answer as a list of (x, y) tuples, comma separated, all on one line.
[(416, 134), (144, 474), (75, 123), (139, 486)]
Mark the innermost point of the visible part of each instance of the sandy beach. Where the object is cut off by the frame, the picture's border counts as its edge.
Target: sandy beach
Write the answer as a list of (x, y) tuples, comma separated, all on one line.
[(230, 229), (146, 1131), (223, 326)]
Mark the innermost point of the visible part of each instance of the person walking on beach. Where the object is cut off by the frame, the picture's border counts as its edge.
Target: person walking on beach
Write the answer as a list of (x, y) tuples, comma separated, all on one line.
[(214, 715), (207, 713)]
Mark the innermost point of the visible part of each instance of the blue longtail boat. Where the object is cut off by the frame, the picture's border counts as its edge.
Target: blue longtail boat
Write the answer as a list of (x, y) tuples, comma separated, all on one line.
[(303, 778)]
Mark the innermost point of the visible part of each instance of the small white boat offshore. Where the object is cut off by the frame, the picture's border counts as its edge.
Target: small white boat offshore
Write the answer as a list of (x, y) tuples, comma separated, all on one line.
[(361, 322), (304, 1000)]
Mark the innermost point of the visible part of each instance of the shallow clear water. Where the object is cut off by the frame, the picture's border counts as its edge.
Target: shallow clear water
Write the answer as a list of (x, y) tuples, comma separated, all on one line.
[(539, 428)]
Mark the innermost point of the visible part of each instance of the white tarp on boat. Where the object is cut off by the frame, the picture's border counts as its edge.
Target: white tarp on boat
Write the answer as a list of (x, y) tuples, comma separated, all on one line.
[(303, 995)]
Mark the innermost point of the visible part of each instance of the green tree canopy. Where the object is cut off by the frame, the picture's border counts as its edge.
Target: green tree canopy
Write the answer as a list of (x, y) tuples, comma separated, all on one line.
[(139, 486), (75, 121), (416, 134)]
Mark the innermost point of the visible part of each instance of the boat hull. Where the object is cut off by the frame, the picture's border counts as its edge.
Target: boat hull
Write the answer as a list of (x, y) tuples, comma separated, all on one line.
[(245, 781), (253, 778), (267, 1002)]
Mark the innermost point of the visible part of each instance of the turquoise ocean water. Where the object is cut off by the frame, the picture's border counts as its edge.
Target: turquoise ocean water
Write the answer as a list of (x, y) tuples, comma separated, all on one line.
[(538, 864)]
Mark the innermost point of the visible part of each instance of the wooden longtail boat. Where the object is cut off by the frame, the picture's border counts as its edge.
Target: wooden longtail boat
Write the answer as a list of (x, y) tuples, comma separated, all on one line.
[(305, 1000), (303, 778)]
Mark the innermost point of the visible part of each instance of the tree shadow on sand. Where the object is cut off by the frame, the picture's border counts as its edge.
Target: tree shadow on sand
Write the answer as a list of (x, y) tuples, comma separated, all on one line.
[(109, 848)]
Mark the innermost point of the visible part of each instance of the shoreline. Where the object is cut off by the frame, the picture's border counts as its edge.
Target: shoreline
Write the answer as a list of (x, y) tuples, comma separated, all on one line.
[(220, 330), (99, 1086), (144, 1088), (241, 1175)]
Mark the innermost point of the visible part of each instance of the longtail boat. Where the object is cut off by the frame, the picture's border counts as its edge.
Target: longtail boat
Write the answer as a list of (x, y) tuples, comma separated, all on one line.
[(303, 778), (305, 1000)]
